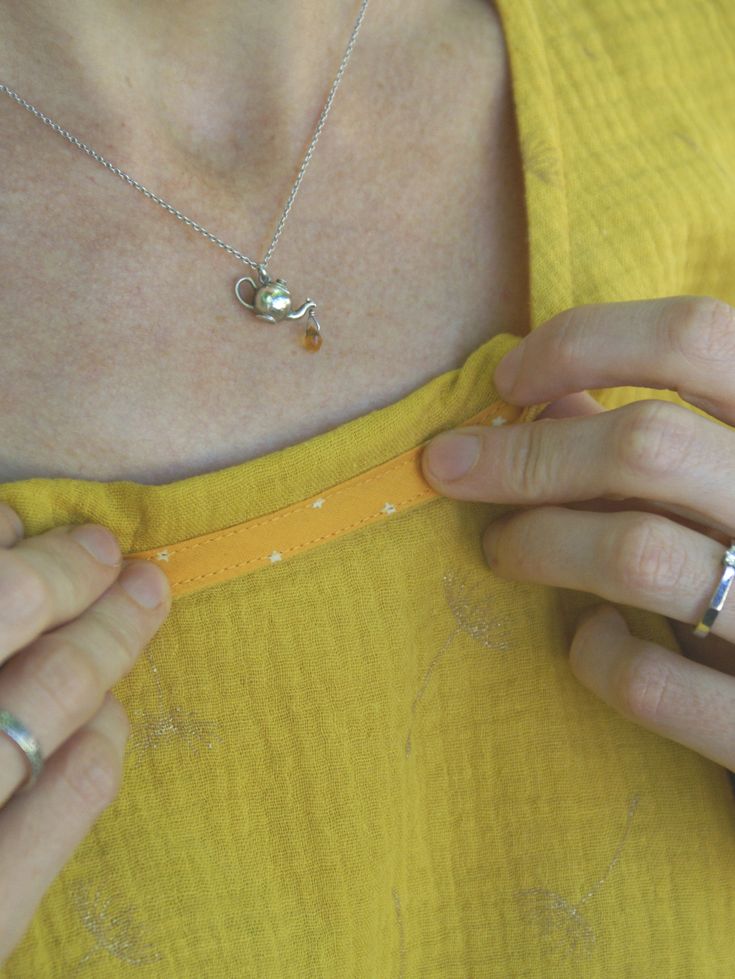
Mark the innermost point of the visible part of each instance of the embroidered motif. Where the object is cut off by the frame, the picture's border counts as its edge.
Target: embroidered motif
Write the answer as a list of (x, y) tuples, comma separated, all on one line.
[(542, 160), (275, 556), (163, 556), (115, 933), (558, 918), (499, 421), (318, 504), (164, 723), (401, 934), (388, 508), (153, 731), (118, 933), (471, 607)]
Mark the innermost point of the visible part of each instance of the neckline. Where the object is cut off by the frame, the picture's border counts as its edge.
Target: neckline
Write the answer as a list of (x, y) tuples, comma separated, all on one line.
[(145, 515)]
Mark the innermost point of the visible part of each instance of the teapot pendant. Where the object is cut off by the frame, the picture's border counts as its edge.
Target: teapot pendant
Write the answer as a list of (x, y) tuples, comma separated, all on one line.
[(272, 303)]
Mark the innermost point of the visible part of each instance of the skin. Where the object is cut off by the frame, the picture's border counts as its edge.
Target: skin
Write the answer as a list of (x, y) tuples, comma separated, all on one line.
[(416, 175), (182, 84), (72, 623), (637, 499)]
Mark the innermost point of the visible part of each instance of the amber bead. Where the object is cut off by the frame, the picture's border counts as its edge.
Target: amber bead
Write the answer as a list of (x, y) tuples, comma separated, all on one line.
[(312, 339)]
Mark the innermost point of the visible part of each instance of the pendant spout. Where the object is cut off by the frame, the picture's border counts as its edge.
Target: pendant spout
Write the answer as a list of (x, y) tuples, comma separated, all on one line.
[(307, 307)]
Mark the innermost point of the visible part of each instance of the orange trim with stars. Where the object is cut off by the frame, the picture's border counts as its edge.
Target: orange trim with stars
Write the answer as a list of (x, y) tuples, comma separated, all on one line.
[(378, 494)]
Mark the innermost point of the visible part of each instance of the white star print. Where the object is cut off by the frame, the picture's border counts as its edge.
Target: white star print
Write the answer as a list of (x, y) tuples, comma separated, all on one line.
[(275, 556), (500, 421), (162, 556), (318, 504), (388, 508)]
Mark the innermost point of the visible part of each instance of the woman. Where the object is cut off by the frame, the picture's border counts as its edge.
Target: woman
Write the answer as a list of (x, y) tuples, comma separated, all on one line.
[(370, 733)]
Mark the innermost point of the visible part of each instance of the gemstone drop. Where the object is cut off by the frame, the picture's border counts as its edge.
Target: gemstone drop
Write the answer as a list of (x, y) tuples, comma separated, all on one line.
[(312, 339)]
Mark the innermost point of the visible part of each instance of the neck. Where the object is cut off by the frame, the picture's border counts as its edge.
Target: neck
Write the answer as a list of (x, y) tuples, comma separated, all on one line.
[(225, 91)]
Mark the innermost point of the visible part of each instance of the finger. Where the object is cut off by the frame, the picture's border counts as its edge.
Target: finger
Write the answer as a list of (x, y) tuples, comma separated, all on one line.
[(58, 682), (11, 526), (660, 690), (612, 503), (573, 406), (681, 343), (50, 578), (40, 830), (717, 653), (647, 449), (635, 559)]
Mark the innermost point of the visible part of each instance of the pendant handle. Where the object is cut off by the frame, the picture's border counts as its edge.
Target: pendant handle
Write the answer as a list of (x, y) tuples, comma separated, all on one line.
[(246, 278)]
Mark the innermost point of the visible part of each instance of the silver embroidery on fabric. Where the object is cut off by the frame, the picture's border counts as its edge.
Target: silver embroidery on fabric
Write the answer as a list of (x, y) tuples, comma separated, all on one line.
[(542, 160), (401, 934), (470, 604), (558, 919), (151, 729), (114, 928), (471, 607), (117, 933)]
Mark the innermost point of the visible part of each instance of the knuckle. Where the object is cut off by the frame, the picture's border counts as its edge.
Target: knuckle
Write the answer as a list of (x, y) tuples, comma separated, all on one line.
[(567, 344), (702, 330), (25, 592), (119, 629), (519, 543), (93, 771), (66, 677), (644, 687), (646, 557), (529, 472), (653, 438)]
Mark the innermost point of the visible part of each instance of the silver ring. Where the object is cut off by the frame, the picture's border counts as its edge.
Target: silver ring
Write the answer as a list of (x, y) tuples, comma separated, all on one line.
[(717, 601), (12, 727)]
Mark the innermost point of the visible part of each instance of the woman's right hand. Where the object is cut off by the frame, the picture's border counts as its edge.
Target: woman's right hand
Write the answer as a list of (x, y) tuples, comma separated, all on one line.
[(71, 625)]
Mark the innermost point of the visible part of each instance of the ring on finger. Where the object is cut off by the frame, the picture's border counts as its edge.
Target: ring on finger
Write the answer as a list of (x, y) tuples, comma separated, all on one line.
[(11, 726), (717, 602)]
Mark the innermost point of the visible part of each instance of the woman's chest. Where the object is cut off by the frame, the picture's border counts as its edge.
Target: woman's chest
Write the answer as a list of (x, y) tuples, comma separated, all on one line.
[(127, 356)]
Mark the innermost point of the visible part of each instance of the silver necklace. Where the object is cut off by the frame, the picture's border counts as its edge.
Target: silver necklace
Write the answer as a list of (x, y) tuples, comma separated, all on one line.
[(271, 299)]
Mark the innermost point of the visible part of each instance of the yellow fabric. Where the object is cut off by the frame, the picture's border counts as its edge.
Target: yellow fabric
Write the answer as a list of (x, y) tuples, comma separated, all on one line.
[(372, 760), (377, 495)]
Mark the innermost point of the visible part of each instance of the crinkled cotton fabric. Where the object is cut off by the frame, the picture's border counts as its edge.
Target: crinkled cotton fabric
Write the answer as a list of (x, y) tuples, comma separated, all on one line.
[(369, 758)]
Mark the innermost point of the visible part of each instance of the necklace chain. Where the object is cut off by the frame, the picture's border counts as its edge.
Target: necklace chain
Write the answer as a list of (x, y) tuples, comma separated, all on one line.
[(260, 266)]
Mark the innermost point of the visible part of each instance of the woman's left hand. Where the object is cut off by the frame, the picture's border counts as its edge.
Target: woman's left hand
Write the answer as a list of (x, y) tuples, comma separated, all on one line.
[(661, 549)]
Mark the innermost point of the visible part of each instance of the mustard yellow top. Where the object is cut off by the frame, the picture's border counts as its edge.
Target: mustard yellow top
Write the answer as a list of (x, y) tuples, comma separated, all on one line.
[(357, 753)]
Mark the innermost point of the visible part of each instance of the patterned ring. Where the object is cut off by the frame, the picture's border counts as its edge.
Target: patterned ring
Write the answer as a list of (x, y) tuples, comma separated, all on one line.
[(717, 601), (12, 727)]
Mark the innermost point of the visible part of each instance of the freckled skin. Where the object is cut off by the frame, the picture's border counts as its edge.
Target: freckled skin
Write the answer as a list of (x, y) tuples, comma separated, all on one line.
[(149, 368)]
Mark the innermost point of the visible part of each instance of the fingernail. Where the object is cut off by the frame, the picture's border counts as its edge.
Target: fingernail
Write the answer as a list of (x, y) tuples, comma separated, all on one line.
[(607, 614), (15, 521), (586, 614), (100, 543), (508, 369), (145, 583), (452, 455), (490, 539)]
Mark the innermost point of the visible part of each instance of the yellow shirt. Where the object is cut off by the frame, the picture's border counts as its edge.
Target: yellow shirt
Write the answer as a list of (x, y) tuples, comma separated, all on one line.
[(355, 752)]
